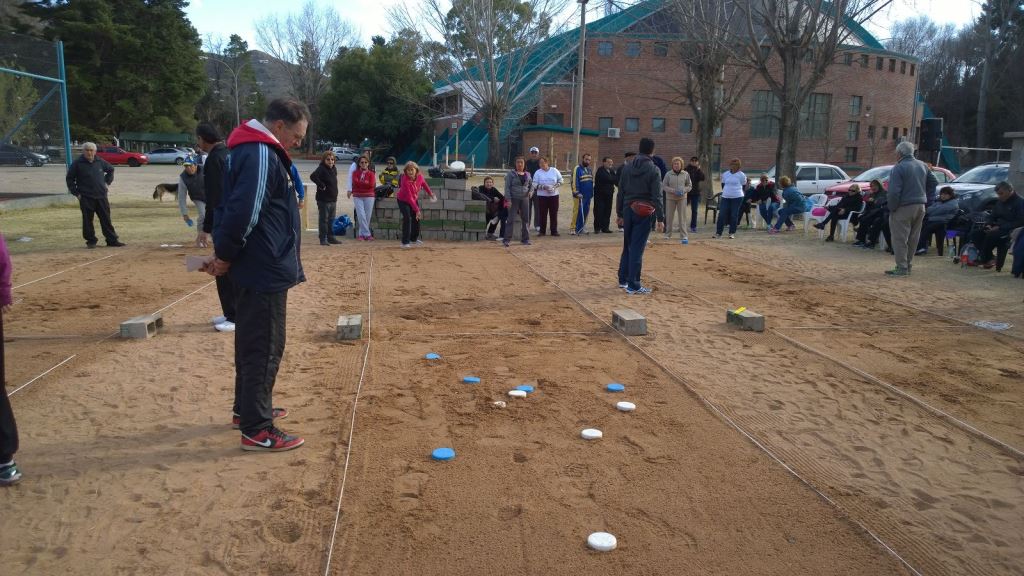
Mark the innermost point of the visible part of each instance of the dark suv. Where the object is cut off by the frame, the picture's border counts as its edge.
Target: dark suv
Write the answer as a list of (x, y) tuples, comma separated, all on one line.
[(11, 154)]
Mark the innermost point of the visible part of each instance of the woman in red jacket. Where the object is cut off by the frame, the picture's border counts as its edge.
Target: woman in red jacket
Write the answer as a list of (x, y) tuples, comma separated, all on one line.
[(363, 183), (409, 186)]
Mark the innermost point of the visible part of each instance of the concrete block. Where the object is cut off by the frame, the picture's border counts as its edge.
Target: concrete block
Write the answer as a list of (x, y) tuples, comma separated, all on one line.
[(456, 184), (629, 322), (385, 203), (350, 327), (745, 320), (457, 205), (475, 206), (142, 326)]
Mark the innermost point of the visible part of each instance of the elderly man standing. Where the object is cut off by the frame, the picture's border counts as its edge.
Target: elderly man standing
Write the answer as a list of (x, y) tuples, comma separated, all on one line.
[(907, 195), (88, 179)]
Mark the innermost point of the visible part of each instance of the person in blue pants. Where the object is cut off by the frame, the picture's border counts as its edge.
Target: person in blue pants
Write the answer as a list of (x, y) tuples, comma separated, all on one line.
[(582, 194), (637, 205), (733, 183)]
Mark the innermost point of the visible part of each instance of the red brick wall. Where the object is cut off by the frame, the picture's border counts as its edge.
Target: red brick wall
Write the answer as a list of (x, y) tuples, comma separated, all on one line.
[(558, 146)]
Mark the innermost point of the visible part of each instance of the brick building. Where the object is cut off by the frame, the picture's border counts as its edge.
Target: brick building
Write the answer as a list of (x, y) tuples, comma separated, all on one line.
[(633, 88)]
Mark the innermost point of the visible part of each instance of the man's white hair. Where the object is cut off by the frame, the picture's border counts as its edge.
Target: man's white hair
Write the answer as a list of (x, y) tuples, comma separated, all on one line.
[(88, 146), (905, 148)]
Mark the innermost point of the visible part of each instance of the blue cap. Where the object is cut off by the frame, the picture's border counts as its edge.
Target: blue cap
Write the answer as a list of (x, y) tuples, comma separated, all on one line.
[(615, 387), (525, 388), (471, 380), (442, 454), (432, 356)]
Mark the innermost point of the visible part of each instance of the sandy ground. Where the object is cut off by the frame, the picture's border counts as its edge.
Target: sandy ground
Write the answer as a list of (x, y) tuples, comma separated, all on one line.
[(870, 430)]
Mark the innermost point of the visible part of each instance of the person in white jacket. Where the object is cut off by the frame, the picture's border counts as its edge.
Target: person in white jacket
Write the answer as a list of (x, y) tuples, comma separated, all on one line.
[(546, 181), (676, 184)]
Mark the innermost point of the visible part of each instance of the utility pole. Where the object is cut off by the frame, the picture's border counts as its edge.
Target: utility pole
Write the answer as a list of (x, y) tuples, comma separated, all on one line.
[(577, 122)]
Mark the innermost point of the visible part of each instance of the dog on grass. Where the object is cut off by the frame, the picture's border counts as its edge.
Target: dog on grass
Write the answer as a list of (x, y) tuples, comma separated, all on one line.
[(161, 189)]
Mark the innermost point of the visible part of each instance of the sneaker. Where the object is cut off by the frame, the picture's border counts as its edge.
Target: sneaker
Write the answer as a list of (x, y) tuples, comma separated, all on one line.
[(623, 285), (324, 243), (418, 242), (640, 290), (555, 234), (90, 246), (790, 228), (9, 474), (988, 265), (333, 241), (897, 271), (525, 243), (116, 244), (773, 230), (225, 326), (858, 244), (406, 245), (271, 440), (869, 246), (684, 241), (732, 236), (921, 252), (278, 413), (819, 226), (571, 233), (693, 228), (830, 239), (504, 243), (218, 320), (490, 237), (717, 236), (668, 236), (370, 238)]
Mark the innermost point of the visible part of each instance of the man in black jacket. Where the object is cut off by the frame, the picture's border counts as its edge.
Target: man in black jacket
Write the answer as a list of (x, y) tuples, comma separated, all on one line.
[(638, 203), (693, 196), (211, 142), (88, 179), (604, 192), (1007, 214)]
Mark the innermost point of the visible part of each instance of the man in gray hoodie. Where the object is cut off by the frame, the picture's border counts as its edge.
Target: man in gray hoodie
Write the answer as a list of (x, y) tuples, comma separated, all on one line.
[(638, 203), (908, 184)]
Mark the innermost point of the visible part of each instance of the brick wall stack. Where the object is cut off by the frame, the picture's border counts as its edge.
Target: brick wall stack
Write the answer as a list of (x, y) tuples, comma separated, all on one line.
[(455, 216)]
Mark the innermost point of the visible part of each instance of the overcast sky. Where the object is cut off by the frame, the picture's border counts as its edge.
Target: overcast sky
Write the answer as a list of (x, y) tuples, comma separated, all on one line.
[(225, 17)]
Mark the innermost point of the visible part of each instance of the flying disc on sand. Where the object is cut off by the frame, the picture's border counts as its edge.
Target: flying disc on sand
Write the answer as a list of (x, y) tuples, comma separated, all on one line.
[(626, 406), (433, 356), (602, 541), (591, 434), (615, 387), (443, 454), (525, 388), (517, 393), (471, 380)]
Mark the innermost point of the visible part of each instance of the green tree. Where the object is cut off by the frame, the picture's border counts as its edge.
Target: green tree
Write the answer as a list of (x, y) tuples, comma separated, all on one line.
[(17, 96), (377, 94), (131, 64)]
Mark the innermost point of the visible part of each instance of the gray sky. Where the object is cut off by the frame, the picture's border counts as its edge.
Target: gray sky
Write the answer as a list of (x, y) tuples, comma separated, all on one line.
[(225, 17)]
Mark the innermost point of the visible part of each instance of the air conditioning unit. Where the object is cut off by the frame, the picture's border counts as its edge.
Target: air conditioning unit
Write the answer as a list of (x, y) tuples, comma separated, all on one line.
[(614, 133)]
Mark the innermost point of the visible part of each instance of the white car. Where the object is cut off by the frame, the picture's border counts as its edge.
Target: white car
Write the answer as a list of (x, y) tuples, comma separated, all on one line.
[(169, 155), (344, 154), (814, 178)]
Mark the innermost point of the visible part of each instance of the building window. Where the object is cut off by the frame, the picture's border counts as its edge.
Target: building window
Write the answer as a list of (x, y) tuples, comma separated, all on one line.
[(895, 133), (892, 64), (885, 132), (604, 48), (912, 67), (848, 59), (904, 133), (814, 116), (903, 67), (853, 131), (603, 124), (871, 132), (660, 49), (716, 158), (632, 124), (657, 124), (765, 121), (851, 154), (879, 62), (718, 131), (864, 58), (632, 49), (686, 126), (855, 102), (554, 119)]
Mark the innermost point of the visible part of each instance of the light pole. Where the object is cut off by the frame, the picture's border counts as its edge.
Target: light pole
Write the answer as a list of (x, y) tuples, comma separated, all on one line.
[(577, 122), (234, 75)]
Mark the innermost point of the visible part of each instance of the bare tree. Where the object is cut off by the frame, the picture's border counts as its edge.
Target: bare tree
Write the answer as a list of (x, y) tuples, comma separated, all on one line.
[(305, 44), (791, 43), (489, 47)]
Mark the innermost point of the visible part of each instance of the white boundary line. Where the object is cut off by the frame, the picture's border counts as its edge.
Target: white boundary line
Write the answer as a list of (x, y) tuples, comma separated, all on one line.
[(352, 422), (727, 419), (63, 271), (26, 384)]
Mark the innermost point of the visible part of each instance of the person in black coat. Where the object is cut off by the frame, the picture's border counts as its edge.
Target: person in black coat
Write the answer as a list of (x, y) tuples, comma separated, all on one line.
[(88, 179), (1007, 214), (605, 180), (211, 142), (848, 203), (326, 179), (693, 196)]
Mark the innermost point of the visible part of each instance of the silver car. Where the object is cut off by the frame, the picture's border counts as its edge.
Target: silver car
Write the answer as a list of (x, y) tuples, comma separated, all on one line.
[(169, 155), (814, 178), (344, 154)]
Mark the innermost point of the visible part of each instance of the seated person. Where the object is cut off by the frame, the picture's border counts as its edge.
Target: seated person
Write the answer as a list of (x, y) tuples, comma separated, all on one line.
[(1007, 214), (849, 202), (496, 211), (875, 219), (936, 218), (768, 200), (795, 204), (1017, 243), (749, 199)]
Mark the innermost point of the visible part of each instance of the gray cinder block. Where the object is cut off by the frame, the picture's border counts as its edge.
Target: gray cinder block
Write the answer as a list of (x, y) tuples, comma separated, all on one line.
[(745, 320), (350, 327), (629, 322), (145, 326)]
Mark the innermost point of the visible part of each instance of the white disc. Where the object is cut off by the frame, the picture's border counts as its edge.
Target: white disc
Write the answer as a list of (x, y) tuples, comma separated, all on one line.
[(591, 434), (626, 406), (517, 393), (602, 541)]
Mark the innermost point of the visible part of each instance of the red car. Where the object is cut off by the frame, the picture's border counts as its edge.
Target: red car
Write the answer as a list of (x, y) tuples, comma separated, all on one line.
[(882, 173), (116, 155)]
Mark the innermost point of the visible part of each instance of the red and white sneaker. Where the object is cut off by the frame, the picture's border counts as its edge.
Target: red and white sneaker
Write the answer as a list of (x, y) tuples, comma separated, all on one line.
[(236, 420), (271, 440)]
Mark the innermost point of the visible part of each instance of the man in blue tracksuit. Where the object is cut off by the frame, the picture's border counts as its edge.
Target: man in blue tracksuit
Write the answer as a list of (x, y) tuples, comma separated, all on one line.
[(582, 194), (256, 240)]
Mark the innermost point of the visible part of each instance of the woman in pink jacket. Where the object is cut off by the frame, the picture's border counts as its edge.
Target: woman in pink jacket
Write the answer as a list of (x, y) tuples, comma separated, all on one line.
[(363, 183), (409, 185), (9, 473)]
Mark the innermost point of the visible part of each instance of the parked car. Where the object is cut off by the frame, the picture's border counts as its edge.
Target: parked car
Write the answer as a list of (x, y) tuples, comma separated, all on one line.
[(116, 155), (814, 178), (344, 154), (976, 188), (881, 173), (11, 154), (169, 155)]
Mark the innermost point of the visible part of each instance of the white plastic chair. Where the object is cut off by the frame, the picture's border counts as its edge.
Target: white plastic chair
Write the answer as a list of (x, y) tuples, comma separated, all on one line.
[(844, 224), (829, 204), (818, 201)]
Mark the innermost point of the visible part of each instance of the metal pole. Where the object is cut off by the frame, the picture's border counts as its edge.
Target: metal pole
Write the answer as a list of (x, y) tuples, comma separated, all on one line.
[(64, 103), (577, 122), (238, 118)]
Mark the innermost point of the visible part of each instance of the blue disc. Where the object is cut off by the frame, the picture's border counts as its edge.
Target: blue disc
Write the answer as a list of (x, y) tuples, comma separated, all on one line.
[(442, 454), (433, 356), (525, 388), (615, 387), (471, 380)]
